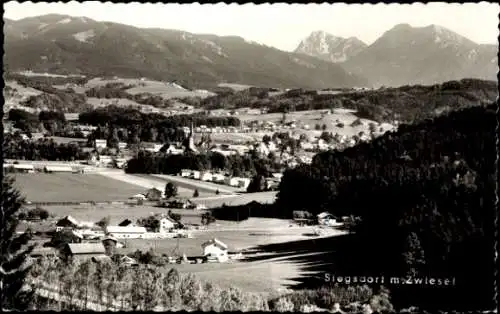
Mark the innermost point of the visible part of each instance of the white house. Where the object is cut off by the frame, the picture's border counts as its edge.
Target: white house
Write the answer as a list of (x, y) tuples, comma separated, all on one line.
[(327, 219), (128, 232), (101, 144), (186, 173), (166, 224), (196, 174), (232, 181), (218, 177), (206, 176), (122, 145), (215, 250)]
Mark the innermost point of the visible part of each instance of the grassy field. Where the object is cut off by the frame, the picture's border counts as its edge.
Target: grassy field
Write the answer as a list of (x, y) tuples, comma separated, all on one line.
[(123, 102), (42, 187), (235, 86), (235, 200), (148, 86)]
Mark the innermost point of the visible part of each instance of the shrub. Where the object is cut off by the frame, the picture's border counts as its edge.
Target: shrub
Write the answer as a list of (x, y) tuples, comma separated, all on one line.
[(283, 304)]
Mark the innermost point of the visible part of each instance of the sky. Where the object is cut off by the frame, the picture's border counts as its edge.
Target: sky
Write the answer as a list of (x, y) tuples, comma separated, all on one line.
[(281, 25)]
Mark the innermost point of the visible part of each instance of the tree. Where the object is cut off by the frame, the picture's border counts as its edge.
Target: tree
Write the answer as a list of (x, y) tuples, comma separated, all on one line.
[(207, 218), (196, 193), (170, 190), (217, 192), (258, 184), (323, 127), (15, 251)]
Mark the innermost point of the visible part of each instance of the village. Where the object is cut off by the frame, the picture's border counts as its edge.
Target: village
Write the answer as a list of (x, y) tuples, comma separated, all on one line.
[(71, 239)]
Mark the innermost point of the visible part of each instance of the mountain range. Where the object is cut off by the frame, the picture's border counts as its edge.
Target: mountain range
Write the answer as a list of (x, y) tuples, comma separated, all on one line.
[(57, 43), (403, 55), (407, 55)]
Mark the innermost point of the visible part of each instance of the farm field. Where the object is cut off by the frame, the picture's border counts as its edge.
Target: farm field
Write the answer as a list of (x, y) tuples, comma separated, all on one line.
[(165, 90), (150, 181), (46, 187), (122, 102), (235, 137)]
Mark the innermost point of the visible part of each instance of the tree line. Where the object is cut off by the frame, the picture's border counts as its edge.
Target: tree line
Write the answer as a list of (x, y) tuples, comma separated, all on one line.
[(235, 165), (15, 147), (426, 197)]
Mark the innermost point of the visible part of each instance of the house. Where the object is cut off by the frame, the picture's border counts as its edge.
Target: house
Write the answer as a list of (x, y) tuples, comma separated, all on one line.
[(172, 150), (151, 147), (61, 168), (67, 222), (41, 251), (128, 261), (100, 143), (166, 224), (185, 173), (71, 116), (122, 145), (83, 251), (196, 174), (206, 176), (218, 177), (324, 218), (154, 194), (215, 250), (139, 196), (129, 232), (237, 182)]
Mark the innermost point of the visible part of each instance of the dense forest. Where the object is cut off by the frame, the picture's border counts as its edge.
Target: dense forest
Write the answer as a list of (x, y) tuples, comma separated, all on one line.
[(119, 116), (248, 165), (426, 198)]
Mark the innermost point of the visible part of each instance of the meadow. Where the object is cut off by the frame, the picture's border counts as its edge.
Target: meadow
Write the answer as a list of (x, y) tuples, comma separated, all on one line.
[(69, 187), (239, 199)]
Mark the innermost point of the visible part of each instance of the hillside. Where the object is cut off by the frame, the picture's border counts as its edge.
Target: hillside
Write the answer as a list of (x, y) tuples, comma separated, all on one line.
[(406, 103), (423, 55), (426, 199), (77, 45)]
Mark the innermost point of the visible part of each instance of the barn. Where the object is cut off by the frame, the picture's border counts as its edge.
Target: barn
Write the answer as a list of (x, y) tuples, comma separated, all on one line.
[(83, 251)]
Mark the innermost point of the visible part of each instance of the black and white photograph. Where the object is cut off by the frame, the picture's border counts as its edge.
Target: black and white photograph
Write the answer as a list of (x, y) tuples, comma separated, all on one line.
[(273, 157)]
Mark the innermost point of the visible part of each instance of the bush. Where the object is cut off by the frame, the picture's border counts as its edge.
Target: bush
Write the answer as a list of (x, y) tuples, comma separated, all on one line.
[(283, 305)]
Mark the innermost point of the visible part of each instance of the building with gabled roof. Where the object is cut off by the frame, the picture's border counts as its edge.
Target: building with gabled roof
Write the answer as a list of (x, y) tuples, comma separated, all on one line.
[(83, 251), (215, 250)]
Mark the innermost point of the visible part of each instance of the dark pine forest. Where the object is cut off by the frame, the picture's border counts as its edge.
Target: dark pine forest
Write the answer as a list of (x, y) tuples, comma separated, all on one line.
[(426, 198)]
